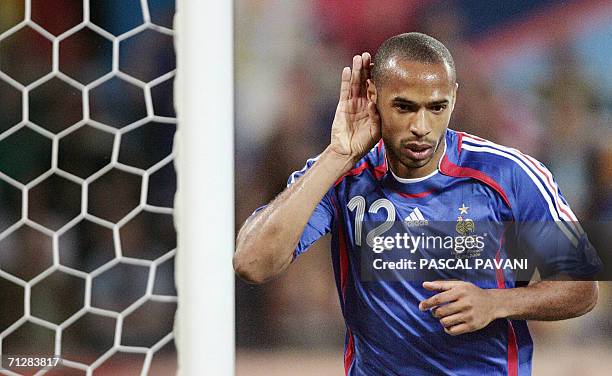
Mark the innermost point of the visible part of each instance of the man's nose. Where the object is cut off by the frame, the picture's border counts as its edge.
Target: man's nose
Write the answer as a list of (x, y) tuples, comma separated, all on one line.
[(419, 125)]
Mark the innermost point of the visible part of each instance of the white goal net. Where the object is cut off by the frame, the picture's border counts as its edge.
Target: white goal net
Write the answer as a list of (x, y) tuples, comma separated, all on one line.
[(87, 241)]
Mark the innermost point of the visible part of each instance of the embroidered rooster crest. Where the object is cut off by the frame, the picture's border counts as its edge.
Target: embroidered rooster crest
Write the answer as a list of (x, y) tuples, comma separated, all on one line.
[(465, 226)]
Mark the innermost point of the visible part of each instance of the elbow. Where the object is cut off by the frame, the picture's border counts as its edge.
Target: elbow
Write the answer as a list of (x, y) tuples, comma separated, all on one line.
[(247, 269), (589, 301), (259, 259)]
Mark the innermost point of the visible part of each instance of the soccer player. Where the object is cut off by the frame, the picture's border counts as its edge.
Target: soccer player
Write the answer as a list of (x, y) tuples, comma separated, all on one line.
[(392, 158)]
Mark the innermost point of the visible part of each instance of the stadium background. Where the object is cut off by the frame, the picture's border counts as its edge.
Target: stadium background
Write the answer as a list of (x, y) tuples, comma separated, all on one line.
[(532, 74)]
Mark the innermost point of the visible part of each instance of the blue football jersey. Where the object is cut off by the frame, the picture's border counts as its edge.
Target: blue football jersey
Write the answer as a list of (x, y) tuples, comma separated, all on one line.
[(476, 180)]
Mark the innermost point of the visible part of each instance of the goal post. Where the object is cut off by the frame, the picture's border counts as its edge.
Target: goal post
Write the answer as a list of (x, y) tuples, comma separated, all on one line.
[(88, 249), (204, 217)]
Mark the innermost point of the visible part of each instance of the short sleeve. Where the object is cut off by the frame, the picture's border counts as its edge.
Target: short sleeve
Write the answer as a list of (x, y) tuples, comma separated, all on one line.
[(546, 228), (320, 223)]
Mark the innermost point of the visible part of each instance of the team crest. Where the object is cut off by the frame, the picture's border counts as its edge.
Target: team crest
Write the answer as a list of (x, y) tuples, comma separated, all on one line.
[(464, 226), (466, 229)]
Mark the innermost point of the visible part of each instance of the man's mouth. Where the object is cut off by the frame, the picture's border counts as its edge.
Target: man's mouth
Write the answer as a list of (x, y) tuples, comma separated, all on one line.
[(417, 150)]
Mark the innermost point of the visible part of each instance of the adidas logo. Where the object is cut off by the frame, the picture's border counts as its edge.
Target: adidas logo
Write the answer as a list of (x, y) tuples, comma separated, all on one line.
[(416, 219)]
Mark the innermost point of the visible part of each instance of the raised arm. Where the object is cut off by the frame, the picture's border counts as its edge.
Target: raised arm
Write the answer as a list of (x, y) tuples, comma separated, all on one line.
[(265, 243)]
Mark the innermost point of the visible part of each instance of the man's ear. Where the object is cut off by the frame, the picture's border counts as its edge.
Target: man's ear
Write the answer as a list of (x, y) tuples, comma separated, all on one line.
[(454, 95), (371, 91)]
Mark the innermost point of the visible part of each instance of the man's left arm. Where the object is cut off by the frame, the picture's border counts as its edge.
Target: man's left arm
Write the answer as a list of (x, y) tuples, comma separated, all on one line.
[(463, 307)]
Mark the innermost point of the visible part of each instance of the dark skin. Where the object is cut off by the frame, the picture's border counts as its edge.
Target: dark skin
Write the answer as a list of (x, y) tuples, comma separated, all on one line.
[(462, 307), (415, 104), (410, 110)]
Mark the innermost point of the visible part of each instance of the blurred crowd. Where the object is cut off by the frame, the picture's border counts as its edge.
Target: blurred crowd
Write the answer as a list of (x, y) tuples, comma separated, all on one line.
[(288, 64), (54, 107)]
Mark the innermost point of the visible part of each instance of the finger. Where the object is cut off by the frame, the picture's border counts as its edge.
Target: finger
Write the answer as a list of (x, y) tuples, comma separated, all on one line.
[(365, 71), (345, 84), (356, 77), (438, 299), (367, 64), (441, 285), (448, 309), (452, 320), (458, 329)]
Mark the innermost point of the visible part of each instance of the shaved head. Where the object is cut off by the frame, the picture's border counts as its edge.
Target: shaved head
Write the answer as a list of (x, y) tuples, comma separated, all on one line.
[(415, 47)]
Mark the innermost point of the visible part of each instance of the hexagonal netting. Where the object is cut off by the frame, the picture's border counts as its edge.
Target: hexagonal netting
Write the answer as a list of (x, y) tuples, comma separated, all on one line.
[(87, 239)]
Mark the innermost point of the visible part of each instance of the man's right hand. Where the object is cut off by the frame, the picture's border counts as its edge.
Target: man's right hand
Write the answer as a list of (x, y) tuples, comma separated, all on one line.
[(356, 127)]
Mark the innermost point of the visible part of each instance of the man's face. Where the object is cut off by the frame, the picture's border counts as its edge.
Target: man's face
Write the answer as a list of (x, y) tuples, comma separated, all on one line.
[(415, 103)]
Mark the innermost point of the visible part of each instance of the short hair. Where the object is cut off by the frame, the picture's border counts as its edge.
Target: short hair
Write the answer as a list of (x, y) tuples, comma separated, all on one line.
[(411, 47)]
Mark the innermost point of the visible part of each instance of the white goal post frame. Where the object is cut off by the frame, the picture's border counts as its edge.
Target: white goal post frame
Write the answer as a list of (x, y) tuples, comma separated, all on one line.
[(204, 160)]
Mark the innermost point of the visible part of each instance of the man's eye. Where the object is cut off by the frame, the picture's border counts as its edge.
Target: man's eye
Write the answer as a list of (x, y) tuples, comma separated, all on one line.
[(438, 108), (404, 107)]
